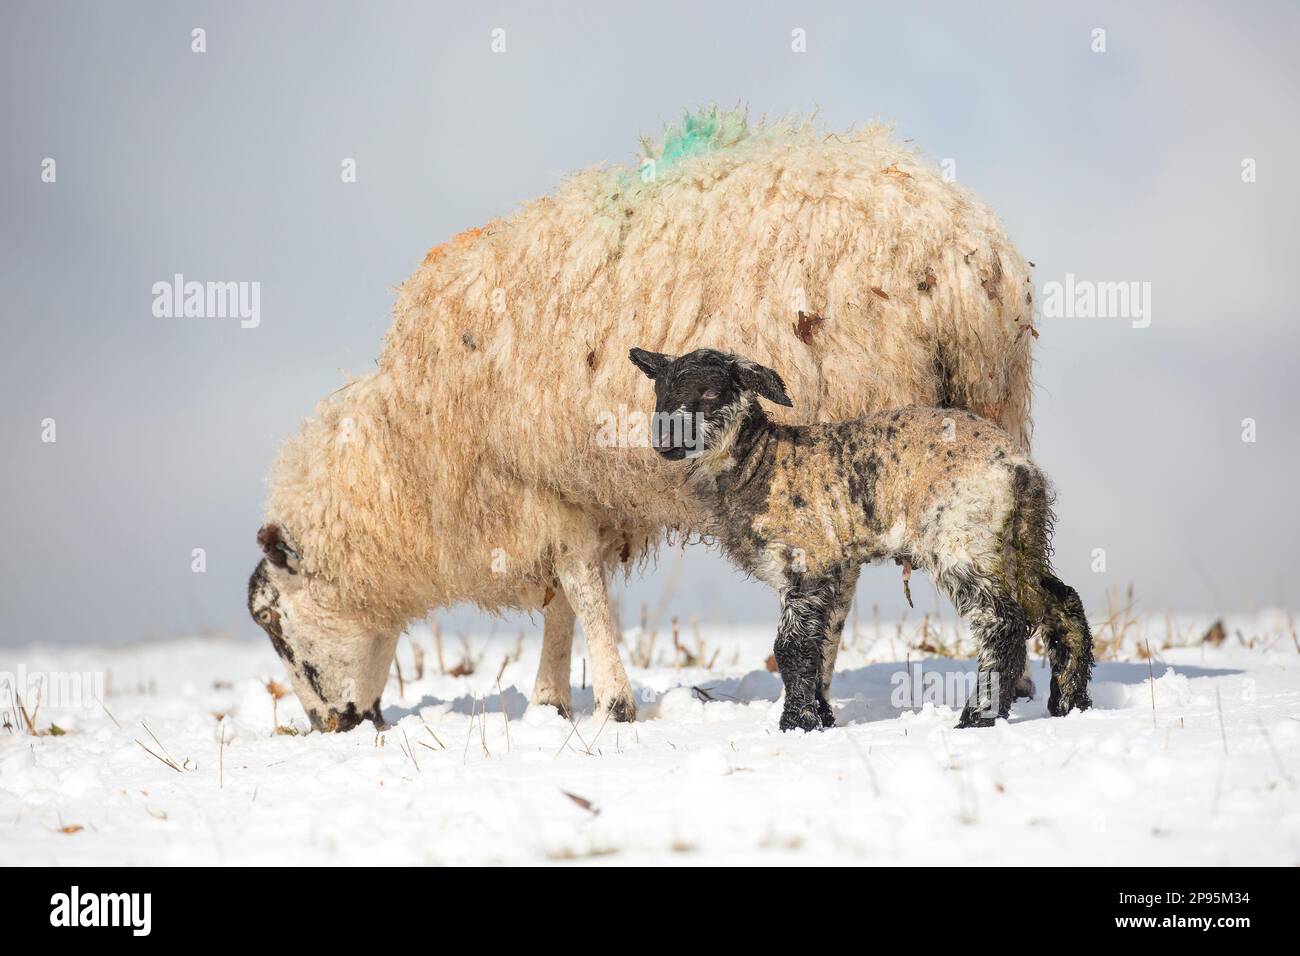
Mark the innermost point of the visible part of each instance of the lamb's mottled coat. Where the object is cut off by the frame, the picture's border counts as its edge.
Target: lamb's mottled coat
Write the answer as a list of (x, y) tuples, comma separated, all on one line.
[(471, 457), (932, 485), (804, 506)]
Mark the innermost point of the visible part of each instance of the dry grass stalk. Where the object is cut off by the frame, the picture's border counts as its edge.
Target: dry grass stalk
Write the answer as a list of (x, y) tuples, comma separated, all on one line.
[(1216, 634), (417, 652), (502, 698), (110, 715), (28, 721), (644, 652), (573, 725), (1152, 675), (165, 758), (470, 732), (429, 731), (681, 655), (277, 691), (1223, 730), (1109, 636), (410, 753), (582, 802), (1277, 759)]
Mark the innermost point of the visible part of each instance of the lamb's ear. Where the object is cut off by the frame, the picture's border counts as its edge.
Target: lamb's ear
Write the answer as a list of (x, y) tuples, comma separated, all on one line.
[(763, 380), (652, 363)]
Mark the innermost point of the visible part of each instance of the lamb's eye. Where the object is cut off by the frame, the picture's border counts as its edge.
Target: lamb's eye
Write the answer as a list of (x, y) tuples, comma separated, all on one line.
[(709, 394)]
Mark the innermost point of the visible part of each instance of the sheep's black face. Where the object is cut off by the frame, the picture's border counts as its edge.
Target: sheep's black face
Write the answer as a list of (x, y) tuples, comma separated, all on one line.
[(264, 594), (335, 668), (699, 394)]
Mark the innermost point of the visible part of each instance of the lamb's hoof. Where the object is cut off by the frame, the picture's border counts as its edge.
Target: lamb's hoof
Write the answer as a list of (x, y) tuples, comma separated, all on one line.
[(1059, 707), (974, 718), (1025, 689), (805, 718), (825, 712), (620, 707)]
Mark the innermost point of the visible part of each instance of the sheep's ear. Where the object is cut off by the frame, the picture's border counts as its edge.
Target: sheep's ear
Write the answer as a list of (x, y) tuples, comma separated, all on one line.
[(652, 363), (277, 548), (763, 380)]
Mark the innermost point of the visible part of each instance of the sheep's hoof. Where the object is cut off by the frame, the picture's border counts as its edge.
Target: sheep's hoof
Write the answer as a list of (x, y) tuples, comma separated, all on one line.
[(805, 718), (553, 698), (621, 707), (547, 700)]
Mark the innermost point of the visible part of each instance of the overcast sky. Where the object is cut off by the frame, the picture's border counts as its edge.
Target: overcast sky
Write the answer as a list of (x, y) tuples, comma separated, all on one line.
[(1123, 165)]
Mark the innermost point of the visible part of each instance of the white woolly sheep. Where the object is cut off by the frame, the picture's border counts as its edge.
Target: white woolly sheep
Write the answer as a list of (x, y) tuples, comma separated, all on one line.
[(473, 464)]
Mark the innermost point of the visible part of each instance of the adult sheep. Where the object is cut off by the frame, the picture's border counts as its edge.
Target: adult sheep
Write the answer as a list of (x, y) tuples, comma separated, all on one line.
[(477, 462)]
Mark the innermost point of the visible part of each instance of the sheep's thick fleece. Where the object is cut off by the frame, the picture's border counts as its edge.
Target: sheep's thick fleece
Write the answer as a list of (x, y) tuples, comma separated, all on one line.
[(471, 464)]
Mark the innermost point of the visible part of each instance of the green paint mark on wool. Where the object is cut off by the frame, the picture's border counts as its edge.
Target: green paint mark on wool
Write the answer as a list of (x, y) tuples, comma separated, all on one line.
[(703, 131)]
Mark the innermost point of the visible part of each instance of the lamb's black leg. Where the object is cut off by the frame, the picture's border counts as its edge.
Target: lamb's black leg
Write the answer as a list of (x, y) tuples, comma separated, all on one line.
[(1069, 647), (1025, 688), (844, 590), (805, 616), (1001, 629)]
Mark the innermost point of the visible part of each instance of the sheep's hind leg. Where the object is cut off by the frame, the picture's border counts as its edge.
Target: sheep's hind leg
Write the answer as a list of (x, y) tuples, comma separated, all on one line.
[(1069, 647), (800, 637), (584, 585), (1001, 628), (552, 687), (848, 585)]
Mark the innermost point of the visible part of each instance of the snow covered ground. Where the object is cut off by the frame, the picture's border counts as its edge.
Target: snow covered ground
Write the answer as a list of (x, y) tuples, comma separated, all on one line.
[(702, 777)]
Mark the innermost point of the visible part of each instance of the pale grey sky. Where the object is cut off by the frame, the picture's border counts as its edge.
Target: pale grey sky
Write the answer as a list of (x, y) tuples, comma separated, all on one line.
[(1114, 166)]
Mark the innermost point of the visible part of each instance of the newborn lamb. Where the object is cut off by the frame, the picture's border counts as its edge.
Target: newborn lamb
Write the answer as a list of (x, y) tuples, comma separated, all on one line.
[(803, 506)]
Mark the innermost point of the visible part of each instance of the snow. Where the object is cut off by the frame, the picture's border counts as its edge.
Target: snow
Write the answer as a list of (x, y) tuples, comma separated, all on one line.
[(700, 778)]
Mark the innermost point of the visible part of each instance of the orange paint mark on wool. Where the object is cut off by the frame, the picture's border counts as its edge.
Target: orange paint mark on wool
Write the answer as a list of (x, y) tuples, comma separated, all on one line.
[(460, 239)]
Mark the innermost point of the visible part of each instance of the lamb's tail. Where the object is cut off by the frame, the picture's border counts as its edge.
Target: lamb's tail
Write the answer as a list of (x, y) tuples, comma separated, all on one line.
[(1027, 549)]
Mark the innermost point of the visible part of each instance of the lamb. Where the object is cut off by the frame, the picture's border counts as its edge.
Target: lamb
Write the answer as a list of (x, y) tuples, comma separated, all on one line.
[(802, 507), (473, 465)]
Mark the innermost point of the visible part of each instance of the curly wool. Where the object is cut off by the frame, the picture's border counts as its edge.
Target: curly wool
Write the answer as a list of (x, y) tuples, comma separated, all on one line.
[(461, 466)]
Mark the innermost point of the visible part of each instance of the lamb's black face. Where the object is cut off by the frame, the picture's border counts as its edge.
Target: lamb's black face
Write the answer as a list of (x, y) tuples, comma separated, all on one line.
[(699, 394)]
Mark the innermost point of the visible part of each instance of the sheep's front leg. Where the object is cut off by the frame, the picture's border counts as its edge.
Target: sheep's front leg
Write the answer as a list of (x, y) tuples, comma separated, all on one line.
[(848, 585), (584, 585), (552, 687), (800, 637)]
